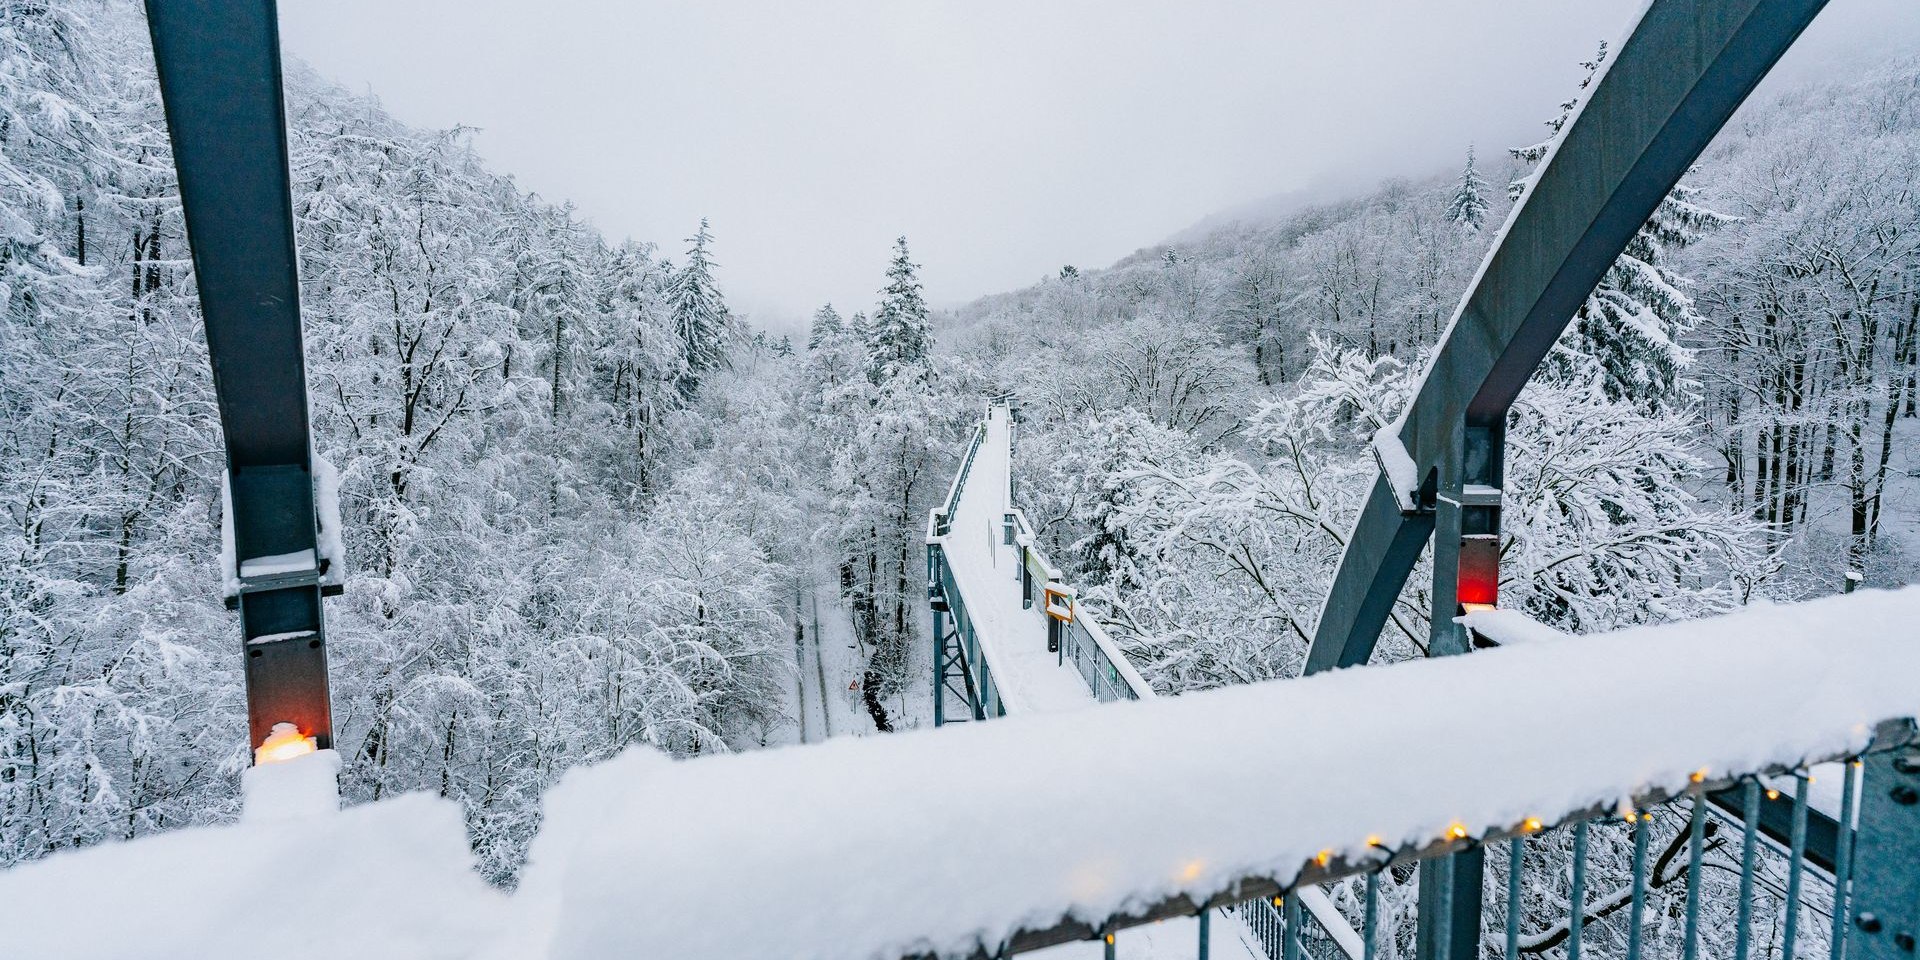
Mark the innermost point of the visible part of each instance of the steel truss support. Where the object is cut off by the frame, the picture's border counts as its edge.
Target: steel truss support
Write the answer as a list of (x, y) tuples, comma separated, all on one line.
[(219, 70), (1670, 88), (956, 678), (952, 670)]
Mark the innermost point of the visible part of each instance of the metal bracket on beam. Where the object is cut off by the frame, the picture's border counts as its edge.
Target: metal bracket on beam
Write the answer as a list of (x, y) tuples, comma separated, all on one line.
[(1885, 906)]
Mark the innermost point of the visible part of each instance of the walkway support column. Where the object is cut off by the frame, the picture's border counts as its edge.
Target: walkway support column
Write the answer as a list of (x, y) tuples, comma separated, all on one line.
[(219, 70)]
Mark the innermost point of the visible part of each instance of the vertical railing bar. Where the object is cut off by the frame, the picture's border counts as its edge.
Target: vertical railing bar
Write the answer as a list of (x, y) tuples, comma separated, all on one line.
[(1516, 863), (1843, 859), (1291, 949), (1750, 812), (1796, 864), (1696, 845), (1636, 914), (1205, 916), (1577, 896), (1372, 916)]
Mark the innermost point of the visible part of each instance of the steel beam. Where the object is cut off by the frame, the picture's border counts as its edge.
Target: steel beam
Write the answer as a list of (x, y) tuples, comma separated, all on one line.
[(219, 70), (1669, 89)]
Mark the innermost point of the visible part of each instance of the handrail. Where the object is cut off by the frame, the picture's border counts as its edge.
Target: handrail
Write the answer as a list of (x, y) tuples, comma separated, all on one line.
[(941, 516), (1107, 653), (1889, 736), (1079, 823)]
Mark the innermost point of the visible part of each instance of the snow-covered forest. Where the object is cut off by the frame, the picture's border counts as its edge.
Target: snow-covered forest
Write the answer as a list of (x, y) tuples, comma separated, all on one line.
[(584, 500)]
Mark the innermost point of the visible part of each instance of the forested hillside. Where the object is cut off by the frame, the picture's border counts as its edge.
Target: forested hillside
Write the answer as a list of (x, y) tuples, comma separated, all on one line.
[(568, 524), (1729, 419)]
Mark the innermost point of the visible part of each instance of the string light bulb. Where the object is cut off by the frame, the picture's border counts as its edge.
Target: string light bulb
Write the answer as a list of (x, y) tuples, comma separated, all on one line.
[(1531, 825), (1458, 831)]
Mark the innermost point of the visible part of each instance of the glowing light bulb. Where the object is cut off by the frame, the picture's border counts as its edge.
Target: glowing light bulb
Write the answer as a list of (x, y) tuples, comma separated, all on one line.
[(1532, 825), (1373, 840), (1699, 776), (284, 742), (1458, 831), (1323, 857), (1773, 794)]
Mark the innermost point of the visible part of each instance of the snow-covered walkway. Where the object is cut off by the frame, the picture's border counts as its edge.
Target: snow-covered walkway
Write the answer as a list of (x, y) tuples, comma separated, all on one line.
[(987, 569), (1013, 638)]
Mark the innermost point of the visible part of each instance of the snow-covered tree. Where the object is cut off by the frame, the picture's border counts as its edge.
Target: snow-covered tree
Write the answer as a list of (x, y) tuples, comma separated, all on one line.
[(707, 329), (1229, 556), (1626, 338), (1468, 208), (898, 336), (826, 325)]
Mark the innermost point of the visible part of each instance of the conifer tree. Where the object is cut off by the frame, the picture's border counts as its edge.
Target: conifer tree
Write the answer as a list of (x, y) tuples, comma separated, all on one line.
[(699, 311), (826, 326), (1468, 208), (898, 337), (1625, 337)]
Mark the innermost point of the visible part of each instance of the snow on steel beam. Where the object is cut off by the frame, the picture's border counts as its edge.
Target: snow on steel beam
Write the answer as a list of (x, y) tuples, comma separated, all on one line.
[(1675, 81), (219, 69)]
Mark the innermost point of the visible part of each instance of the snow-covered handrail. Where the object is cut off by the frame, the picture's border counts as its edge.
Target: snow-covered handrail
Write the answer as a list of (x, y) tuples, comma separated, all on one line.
[(1003, 597), (1539, 734), (1106, 652), (957, 487), (1064, 825)]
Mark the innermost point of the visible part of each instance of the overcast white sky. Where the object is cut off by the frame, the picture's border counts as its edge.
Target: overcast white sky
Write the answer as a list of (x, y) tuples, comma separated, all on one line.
[(1003, 137)]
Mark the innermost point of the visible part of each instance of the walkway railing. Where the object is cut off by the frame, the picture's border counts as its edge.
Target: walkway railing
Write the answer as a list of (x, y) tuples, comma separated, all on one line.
[(1570, 782), (963, 664), (1083, 641)]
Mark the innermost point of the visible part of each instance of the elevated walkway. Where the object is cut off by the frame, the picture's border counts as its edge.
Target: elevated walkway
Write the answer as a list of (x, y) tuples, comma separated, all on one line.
[(1008, 625), (1010, 637)]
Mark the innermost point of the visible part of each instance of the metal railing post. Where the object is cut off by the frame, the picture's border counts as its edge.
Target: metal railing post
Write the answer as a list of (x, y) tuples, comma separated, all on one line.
[(1886, 884)]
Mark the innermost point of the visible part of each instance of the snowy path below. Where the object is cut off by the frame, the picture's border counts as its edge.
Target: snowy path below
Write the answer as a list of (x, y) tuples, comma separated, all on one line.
[(1014, 637), (837, 664)]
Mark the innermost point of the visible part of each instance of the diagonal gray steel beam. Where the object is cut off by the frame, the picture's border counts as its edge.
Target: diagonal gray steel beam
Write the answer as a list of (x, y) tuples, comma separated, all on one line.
[(219, 69), (1670, 88)]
